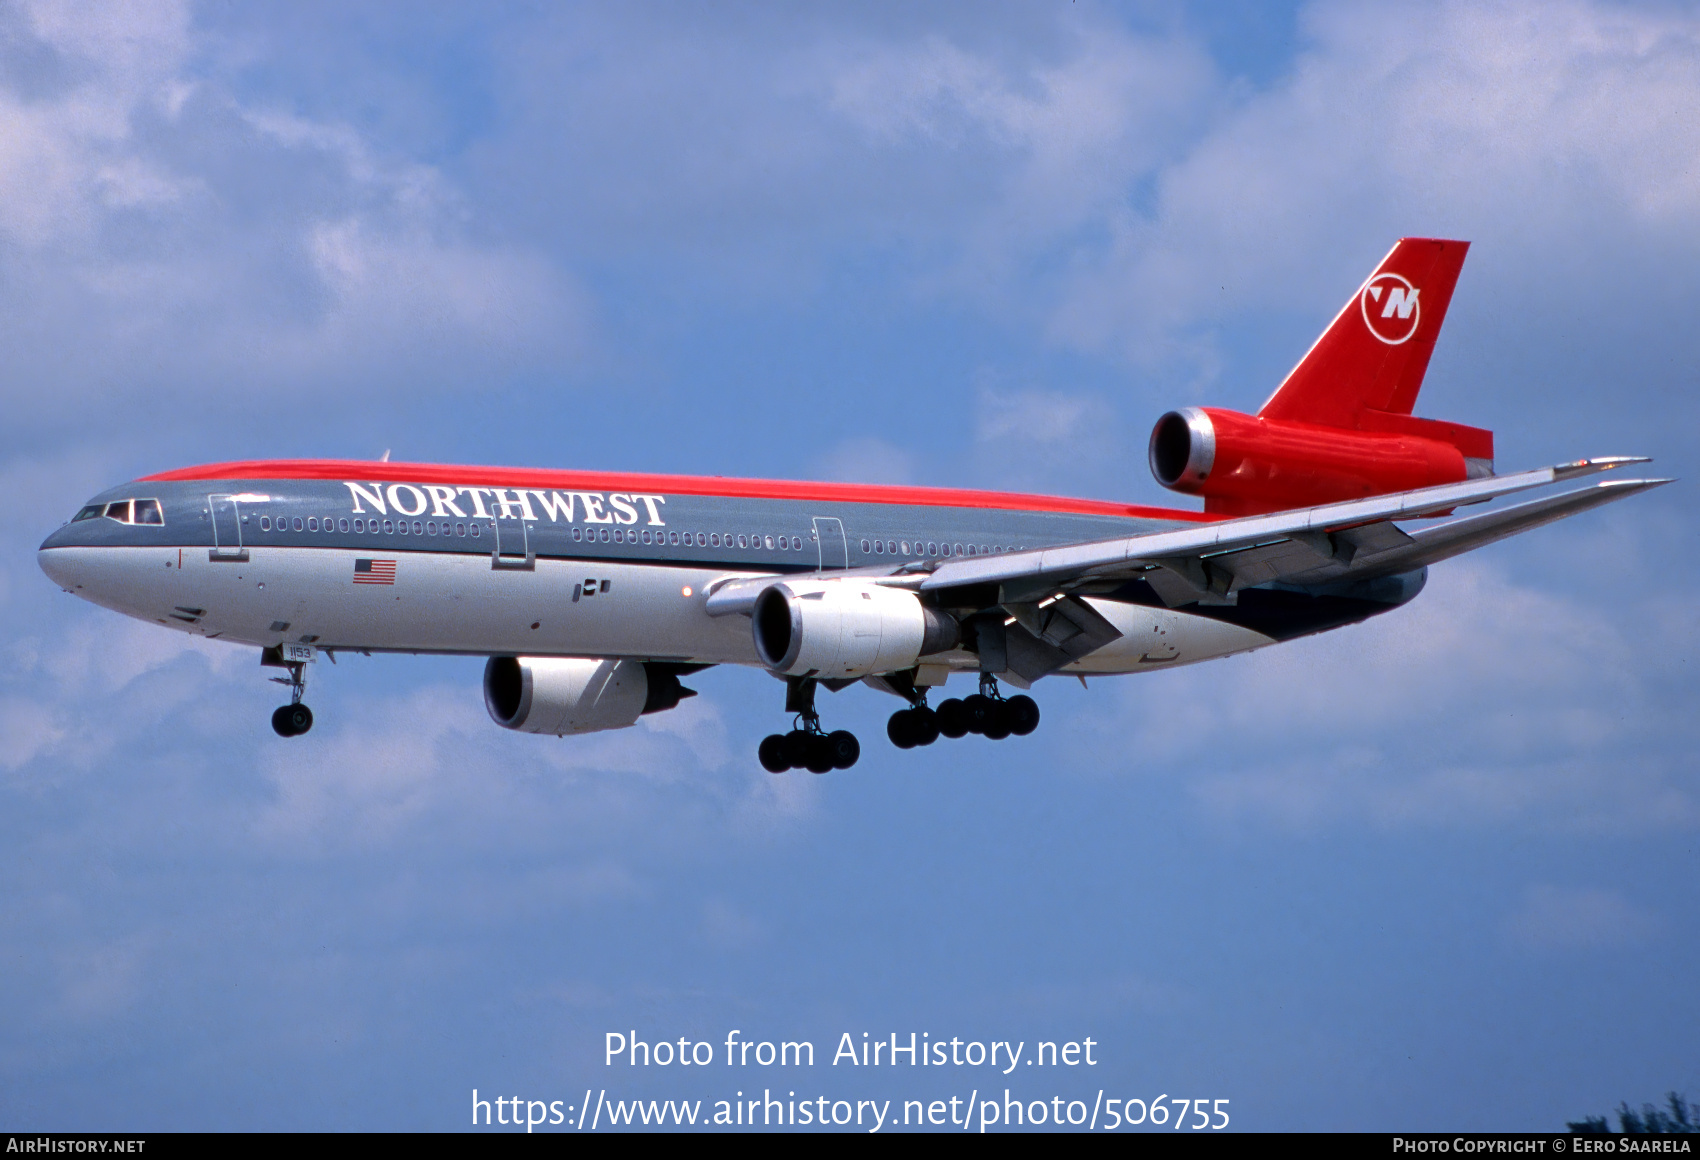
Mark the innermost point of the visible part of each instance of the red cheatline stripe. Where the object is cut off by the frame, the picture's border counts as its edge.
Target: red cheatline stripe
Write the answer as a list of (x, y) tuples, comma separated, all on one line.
[(366, 471)]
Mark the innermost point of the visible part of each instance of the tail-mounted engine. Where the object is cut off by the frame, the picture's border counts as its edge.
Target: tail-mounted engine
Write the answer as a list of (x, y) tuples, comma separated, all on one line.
[(1340, 425), (1247, 465), (843, 629), (564, 695)]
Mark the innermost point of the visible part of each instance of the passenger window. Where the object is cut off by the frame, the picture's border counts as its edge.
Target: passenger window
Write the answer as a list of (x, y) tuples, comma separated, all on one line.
[(312, 523), (119, 511), (905, 546), (742, 542), (416, 528), (298, 523), (359, 525), (388, 527), (474, 530), (770, 543), (460, 530), (431, 527), (342, 525)]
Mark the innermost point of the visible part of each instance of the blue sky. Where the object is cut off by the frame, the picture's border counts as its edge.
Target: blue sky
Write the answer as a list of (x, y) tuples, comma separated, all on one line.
[(1437, 871)]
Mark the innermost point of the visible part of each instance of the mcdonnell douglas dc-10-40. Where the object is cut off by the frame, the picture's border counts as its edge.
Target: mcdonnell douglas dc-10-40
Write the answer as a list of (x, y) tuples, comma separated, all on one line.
[(593, 593)]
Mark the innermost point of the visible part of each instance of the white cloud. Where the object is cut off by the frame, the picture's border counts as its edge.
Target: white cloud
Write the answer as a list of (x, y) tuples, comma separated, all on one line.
[(1482, 703), (64, 160), (97, 982), (167, 241), (1553, 132), (1553, 917), (868, 460)]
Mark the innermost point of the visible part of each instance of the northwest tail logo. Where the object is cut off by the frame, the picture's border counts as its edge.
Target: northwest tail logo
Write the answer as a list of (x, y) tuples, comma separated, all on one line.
[(1390, 306)]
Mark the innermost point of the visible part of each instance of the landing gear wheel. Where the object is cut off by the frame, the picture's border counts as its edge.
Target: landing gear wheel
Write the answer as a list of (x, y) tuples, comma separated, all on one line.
[(901, 730), (1023, 714), (843, 748), (772, 753), (819, 756), (998, 725), (292, 720), (981, 710), (796, 749), (952, 717), (923, 725)]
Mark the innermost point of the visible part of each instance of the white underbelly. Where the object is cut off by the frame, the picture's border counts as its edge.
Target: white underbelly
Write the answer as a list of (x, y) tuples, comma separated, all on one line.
[(437, 602)]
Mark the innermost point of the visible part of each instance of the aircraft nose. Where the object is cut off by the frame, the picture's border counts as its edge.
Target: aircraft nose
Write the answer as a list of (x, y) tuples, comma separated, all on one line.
[(60, 566)]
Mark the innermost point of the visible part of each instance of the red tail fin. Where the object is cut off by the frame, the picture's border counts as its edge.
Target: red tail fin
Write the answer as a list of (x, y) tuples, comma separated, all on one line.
[(1373, 355)]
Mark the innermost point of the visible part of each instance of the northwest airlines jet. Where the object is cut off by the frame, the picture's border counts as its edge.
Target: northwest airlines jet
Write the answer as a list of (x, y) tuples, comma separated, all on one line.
[(593, 593)]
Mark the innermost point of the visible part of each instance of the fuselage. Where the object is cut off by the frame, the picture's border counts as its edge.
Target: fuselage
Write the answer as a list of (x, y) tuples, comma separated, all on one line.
[(364, 556)]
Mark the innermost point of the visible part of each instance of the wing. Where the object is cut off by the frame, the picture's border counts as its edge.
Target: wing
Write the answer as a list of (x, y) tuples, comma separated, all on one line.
[(1211, 563), (1357, 539)]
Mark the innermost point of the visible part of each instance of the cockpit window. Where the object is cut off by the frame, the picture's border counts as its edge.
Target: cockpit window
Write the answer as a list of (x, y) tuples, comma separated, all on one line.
[(93, 512), (141, 511)]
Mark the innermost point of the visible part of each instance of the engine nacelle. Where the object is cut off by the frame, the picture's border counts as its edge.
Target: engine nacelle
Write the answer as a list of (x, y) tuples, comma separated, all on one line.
[(845, 629), (1245, 465), (564, 695)]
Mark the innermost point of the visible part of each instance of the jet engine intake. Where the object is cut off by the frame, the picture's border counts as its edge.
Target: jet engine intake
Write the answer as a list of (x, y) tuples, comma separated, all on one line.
[(842, 628), (564, 695), (1247, 465)]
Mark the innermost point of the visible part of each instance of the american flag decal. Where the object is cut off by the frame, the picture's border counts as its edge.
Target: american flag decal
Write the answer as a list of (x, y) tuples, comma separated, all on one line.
[(374, 571)]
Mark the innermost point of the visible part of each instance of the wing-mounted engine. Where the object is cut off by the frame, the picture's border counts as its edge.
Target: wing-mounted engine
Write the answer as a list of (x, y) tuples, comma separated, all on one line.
[(564, 695), (846, 629)]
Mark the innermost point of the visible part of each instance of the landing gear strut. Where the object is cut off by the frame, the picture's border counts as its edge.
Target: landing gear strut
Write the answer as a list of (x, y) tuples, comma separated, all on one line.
[(293, 719), (985, 713), (807, 746)]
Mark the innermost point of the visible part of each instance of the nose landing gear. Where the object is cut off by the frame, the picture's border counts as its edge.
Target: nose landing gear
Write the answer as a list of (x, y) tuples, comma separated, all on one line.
[(807, 746), (293, 719)]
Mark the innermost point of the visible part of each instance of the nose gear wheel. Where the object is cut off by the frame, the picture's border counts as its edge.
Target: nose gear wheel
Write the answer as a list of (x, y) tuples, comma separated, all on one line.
[(293, 719)]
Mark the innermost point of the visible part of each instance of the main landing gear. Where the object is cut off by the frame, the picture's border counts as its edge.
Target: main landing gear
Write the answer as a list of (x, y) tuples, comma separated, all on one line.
[(293, 719), (985, 713), (807, 746)]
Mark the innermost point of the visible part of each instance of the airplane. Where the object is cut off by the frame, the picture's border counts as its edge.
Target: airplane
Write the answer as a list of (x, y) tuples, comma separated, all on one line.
[(593, 593)]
